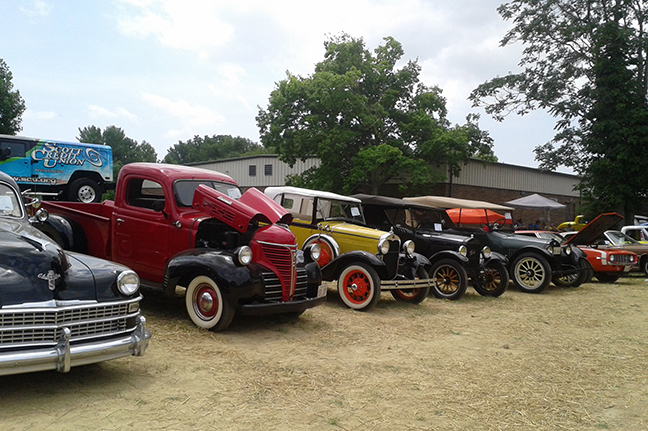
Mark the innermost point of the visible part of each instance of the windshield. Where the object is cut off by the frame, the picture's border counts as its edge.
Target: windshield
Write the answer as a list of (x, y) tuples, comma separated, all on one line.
[(328, 209), (10, 204), (551, 235), (184, 190), (618, 238)]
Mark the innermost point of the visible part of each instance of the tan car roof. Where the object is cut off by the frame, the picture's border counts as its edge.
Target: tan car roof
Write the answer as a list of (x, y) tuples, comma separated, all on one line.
[(446, 202)]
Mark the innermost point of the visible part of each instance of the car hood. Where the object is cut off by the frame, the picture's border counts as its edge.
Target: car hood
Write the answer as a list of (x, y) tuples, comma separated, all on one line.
[(353, 229), (595, 229), (35, 269), (252, 206)]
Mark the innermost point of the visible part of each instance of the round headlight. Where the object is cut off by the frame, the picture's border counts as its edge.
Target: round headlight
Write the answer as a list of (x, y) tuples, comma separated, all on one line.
[(463, 250), (42, 215), (408, 247), (611, 258), (486, 252), (383, 246), (244, 255), (128, 282), (315, 252), (568, 250)]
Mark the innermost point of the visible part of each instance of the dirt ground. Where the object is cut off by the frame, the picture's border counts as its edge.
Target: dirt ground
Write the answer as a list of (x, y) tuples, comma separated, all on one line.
[(566, 359)]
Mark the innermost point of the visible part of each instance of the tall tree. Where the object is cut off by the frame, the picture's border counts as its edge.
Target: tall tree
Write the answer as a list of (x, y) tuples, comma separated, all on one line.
[(585, 62), (12, 104), (125, 150), (214, 147), (367, 120)]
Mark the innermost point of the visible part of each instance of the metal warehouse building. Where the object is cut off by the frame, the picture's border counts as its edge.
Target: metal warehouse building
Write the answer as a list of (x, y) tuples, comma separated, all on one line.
[(493, 182)]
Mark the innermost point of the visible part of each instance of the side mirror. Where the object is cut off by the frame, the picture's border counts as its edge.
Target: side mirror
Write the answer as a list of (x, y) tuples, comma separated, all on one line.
[(158, 206)]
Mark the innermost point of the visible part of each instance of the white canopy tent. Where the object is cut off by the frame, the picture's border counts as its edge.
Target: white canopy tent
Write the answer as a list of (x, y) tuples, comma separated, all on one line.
[(536, 201)]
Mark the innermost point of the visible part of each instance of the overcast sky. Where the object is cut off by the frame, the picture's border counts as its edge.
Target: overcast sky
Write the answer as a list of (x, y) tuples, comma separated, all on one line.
[(166, 70)]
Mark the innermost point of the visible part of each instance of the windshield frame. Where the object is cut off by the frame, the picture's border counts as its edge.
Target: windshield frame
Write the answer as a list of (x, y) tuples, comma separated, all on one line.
[(181, 195)]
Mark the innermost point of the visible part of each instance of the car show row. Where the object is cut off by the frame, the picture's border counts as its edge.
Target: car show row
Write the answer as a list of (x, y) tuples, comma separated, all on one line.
[(71, 273)]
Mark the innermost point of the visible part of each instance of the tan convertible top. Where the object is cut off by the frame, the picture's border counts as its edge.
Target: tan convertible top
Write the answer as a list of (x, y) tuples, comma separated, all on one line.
[(446, 202)]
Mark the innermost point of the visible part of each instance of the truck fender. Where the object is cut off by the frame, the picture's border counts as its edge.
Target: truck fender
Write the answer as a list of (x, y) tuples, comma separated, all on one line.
[(65, 232), (410, 264), (538, 250), (448, 254), (216, 264), (497, 256), (332, 270)]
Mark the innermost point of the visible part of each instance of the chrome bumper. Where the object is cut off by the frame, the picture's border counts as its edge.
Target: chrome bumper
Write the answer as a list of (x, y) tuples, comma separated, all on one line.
[(63, 356), (405, 284)]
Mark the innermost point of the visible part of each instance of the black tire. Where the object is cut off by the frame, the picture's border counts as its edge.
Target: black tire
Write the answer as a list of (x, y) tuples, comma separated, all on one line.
[(359, 286), (449, 279), (84, 190), (605, 277), (413, 296), (206, 305), (494, 279), (644, 265), (573, 280), (531, 272), (590, 273)]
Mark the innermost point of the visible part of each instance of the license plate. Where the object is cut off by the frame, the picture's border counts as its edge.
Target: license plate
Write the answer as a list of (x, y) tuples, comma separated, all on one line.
[(321, 291)]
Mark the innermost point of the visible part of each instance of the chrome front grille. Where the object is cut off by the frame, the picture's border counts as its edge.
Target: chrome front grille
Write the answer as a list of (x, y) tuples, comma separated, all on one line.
[(619, 259), (273, 289), (43, 325), (283, 259)]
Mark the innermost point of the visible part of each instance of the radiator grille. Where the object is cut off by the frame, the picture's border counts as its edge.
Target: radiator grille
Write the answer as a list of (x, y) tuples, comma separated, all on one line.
[(44, 326), (283, 258), (620, 258), (274, 291)]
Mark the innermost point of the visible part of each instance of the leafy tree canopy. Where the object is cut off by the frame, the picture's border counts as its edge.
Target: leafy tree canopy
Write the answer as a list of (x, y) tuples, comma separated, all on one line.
[(124, 149), (584, 61), (211, 148), (12, 104), (367, 121)]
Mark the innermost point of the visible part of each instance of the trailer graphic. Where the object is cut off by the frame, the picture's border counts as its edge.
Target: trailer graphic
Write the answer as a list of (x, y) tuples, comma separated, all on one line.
[(68, 170)]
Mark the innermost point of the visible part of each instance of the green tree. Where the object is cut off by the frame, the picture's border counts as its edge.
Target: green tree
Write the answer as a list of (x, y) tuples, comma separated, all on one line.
[(211, 148), (584, 61), (125, 150), (12, 104), (367, 120)]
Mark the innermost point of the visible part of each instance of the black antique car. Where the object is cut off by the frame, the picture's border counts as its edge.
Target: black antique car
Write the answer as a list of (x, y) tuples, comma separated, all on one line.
[(455, 259), (533, 262), (60, 309)]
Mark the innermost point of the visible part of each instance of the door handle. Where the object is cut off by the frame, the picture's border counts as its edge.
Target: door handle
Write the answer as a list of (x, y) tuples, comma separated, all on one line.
[(119, 220)]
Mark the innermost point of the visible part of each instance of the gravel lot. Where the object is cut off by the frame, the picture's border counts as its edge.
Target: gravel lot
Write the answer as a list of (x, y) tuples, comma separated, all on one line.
[(566, 359)]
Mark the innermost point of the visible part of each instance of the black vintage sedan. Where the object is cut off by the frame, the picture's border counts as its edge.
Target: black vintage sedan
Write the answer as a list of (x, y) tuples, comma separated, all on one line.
[(60, 309), (533, 262), (455, 259)]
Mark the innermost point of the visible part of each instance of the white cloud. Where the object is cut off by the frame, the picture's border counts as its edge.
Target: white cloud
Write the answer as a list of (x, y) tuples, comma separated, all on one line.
[(30, 114), (96, 111), (192, 25), (37, 8), (193, 115)]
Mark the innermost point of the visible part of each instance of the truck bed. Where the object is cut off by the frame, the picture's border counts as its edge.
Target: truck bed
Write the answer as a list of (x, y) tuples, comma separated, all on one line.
[(94, 218)]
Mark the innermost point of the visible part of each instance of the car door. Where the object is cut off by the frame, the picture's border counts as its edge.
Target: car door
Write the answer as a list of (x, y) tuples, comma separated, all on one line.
[(140, 230)]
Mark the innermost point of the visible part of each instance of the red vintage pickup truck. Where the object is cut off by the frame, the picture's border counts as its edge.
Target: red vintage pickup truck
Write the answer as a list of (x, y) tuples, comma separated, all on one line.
[(192, 231)]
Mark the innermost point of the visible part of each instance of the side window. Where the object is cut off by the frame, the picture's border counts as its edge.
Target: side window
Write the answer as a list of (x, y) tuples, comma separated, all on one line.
[(299, 206), (252, 170), (267, 169), (143, 193), (11, 149)]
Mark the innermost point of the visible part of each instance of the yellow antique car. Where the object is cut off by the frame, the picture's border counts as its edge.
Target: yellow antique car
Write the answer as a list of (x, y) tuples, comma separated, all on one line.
[(363, 260)]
